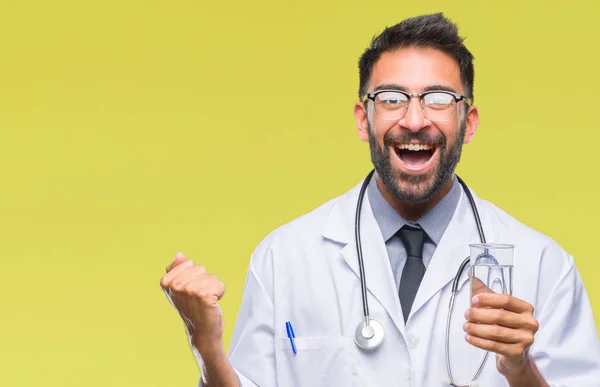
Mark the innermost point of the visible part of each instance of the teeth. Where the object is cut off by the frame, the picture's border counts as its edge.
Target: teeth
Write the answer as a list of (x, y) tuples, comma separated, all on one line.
[(414, 147)]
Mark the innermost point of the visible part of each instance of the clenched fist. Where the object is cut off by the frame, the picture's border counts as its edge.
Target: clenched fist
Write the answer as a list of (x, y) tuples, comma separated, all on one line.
[(196, 294)]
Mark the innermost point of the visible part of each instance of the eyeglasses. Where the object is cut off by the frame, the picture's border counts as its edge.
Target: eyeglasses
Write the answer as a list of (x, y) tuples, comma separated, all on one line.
[(436, 105)]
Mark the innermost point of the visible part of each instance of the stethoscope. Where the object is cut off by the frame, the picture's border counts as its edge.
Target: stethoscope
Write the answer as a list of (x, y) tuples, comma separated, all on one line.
[(369, 333)]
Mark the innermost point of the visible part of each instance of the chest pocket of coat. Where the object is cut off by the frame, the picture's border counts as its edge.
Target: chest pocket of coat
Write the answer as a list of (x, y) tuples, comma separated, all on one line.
[(319, 361)]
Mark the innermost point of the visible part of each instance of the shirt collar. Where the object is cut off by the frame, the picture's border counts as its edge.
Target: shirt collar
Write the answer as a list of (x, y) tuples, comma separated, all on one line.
[(434, 222)]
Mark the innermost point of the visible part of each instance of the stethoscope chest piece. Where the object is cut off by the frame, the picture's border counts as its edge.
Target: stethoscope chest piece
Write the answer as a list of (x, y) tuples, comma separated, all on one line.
[(368, 336)]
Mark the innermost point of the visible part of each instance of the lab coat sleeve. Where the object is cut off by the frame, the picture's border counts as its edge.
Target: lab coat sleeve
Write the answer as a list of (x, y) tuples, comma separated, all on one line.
[(252, 347), (566, 348)]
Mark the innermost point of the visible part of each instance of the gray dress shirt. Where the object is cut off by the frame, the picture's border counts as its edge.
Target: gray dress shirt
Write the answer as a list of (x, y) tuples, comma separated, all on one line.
[(434, 223)]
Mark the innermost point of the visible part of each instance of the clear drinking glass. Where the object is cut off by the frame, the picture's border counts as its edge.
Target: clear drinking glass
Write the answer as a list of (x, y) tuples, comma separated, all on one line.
[(491, 268)]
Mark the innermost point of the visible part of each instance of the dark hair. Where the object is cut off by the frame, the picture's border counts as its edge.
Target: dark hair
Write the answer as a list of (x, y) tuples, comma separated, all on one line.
[(427, 31)]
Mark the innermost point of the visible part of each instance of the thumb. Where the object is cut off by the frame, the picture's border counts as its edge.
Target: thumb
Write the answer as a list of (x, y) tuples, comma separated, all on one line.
[(179, 258), (478, 287)]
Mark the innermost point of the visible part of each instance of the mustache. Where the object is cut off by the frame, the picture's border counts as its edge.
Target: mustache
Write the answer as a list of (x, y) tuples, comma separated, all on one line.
[(393, 138)]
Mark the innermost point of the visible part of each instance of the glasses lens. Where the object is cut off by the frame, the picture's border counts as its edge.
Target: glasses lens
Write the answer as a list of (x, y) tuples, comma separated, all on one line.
[(391, 105), (438, 106)]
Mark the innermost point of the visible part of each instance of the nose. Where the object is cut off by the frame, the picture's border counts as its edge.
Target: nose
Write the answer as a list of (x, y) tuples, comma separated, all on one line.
[(413, 120)]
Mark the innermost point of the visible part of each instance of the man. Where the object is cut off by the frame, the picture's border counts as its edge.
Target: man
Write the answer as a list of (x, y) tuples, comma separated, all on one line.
[(416, 112)]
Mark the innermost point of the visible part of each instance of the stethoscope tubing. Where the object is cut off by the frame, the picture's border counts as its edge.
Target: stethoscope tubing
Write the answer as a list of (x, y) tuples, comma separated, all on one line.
[(455, 283), (361, 265)]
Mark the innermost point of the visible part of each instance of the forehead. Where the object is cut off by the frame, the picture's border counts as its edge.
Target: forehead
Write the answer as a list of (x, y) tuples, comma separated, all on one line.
[(416, 68)]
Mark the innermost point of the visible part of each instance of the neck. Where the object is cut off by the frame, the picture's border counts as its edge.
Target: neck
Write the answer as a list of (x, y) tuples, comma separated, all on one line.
[(413, 211)]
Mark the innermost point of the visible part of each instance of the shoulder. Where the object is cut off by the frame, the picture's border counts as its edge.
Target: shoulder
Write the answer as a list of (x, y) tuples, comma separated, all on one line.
[(305, 225)]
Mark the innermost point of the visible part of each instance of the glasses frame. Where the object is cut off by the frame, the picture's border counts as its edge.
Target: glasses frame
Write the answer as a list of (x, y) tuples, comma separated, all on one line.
[(457, 98)]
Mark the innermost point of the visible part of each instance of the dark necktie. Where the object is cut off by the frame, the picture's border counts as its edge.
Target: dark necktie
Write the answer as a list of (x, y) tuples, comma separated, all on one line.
[(413, 238)]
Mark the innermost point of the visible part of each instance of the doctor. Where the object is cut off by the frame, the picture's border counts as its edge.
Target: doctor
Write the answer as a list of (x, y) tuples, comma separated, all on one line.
[(416, 228)]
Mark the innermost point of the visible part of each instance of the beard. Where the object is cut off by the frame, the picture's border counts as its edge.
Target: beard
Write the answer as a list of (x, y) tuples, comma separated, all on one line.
[(422, 187)]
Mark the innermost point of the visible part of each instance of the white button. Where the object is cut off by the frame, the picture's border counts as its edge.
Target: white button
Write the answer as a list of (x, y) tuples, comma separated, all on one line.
[(413, 341)]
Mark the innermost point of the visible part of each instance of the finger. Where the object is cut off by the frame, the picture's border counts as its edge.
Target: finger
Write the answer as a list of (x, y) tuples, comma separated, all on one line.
[(196, 274), (209, 287), (190, 282), (496, 333), (501, 317), (208, 295), (167, 278), (219, 289), (179, 258), (192, 271), (504, 301), (508, 350)]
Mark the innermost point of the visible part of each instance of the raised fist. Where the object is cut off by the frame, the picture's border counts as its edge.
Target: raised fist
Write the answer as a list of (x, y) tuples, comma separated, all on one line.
[(196, 294)]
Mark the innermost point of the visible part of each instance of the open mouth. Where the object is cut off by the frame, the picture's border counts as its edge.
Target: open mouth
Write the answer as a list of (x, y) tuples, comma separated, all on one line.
[(415, 156)]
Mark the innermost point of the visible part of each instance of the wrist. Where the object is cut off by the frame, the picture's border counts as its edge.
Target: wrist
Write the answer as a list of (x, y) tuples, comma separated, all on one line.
[(517, 378), (208, 349), (525, 376), (215, 368), (513, 368)]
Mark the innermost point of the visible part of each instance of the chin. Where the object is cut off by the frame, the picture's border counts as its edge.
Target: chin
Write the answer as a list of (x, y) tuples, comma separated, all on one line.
[(411, 188)]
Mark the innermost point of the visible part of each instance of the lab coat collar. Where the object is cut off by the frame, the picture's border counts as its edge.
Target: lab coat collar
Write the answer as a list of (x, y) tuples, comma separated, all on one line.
[(378, 272), (453, 249), (449, 254)]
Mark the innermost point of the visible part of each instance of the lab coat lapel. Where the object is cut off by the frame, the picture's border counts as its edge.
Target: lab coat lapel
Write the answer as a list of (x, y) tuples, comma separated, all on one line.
[(378, 273), (450, 252)]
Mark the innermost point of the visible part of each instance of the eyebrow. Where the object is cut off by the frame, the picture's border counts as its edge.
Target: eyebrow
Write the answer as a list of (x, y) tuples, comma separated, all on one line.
[(391, 86)]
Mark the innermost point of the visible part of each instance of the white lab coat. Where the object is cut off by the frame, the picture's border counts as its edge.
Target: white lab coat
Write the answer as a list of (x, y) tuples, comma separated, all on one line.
[(306, 272)]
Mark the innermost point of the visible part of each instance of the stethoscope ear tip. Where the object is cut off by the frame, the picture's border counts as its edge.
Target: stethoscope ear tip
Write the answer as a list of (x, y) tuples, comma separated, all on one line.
[(445, 382), (474, 384)]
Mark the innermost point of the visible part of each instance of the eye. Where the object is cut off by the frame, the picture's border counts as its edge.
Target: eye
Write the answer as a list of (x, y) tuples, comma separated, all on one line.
[(392, 99), (438, 100)]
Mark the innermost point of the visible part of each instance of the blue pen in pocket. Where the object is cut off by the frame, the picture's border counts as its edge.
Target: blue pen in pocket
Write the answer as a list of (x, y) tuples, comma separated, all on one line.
[(291, 335)]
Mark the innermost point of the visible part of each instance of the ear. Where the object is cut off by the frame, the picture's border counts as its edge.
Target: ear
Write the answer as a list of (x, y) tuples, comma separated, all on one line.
[(471, 124), (360, 113)]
